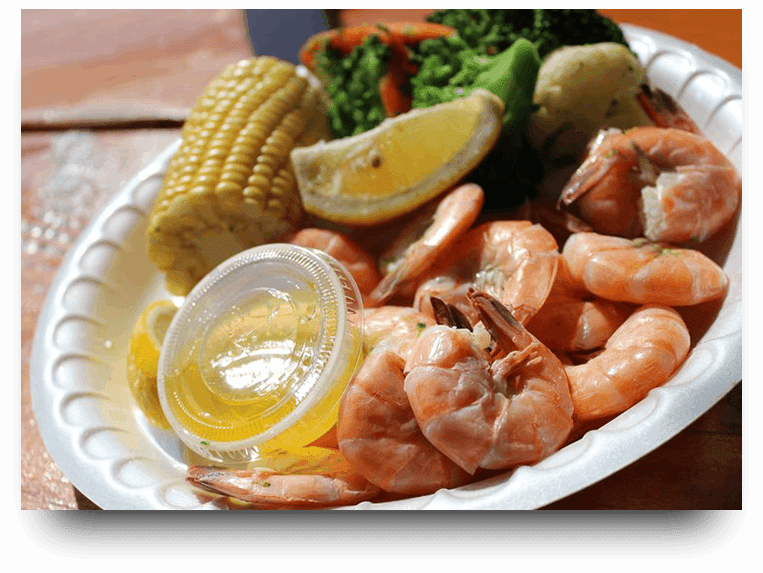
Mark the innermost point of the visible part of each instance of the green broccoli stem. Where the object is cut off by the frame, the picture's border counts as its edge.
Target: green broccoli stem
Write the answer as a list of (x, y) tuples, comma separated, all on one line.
[(510, 171), (511, 75)]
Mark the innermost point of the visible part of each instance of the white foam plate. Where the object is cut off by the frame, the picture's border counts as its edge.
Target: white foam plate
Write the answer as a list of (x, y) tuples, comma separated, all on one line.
[(107, 449)]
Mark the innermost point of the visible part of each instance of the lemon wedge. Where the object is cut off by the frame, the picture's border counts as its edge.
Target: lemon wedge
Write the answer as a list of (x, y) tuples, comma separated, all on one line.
[(402, 163), (143, 358)]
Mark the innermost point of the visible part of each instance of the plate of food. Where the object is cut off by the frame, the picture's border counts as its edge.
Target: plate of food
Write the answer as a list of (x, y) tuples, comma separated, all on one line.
[(114, 454)]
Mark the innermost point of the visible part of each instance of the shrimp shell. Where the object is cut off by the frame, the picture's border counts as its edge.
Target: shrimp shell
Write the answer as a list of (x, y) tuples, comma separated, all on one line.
[(393, 327), (378, 433), (663, 183), (572, 319), (514, 261), (271, 489), (642, 272), (641, 355), (484, 413), (360, 264), (432, 232)]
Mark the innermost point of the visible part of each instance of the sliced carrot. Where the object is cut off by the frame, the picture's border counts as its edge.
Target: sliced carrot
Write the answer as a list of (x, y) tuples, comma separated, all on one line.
[(392, 97), (346, 39), (397, 35)]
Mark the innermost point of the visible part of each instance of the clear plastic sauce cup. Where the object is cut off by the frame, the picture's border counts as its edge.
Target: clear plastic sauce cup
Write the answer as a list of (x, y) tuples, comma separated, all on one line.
[(259, 354)]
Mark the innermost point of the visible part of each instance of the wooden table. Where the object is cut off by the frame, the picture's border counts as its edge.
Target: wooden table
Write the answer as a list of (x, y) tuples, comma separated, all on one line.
[(121, 82)]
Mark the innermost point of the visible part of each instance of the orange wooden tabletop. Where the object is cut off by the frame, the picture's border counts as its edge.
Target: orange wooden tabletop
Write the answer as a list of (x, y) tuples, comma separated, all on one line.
[(146, 68)]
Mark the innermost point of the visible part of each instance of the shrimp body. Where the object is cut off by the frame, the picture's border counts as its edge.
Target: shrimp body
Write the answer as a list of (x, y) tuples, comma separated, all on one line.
[(642, 354), (572, 319), (514, 261), (379, 435), (331, 482), (376, 429), (642, 272), (484, 413), (434, 231), (393, 327), (663, 183), (360, 264)]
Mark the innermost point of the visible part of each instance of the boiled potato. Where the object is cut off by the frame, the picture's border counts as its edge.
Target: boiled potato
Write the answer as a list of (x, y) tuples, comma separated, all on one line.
[(580, 90)]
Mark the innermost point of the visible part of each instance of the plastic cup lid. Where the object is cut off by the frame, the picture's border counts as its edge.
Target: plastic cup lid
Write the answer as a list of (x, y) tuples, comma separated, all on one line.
[(266, 326)]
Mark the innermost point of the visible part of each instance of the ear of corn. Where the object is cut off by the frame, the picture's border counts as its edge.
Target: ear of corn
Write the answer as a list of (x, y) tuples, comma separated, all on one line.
[(231, 185)]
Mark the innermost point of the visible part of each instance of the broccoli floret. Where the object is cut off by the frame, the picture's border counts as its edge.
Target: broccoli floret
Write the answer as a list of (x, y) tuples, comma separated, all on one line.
[(487, 31), (491, 31), (557, 28), (354, 87), (449, 69)]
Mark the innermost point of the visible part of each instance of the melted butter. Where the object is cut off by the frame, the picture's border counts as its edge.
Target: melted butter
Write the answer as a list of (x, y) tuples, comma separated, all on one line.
[(255, 364), (262, 348)]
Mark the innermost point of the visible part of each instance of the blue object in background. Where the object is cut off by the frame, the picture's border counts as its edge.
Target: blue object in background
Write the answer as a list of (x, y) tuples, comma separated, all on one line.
[(281, 33)]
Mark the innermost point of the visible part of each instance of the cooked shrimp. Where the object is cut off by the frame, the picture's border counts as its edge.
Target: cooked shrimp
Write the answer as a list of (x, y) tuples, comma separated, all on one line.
[(605, 190), (514, 261), (557, 221), (358, 262), (318, 477), (572, 319), (664, 111), (664, 184), (642, 354), (484, 413), (378, 433), (642, 272), (393, 327), (376, 430), (434, 231)]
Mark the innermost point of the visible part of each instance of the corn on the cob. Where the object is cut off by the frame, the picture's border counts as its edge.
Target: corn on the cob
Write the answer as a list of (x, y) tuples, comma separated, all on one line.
[(231, 185)]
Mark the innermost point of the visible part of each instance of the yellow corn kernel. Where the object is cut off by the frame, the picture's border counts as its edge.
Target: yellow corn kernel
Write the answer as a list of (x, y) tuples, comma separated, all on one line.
[(231, 186)]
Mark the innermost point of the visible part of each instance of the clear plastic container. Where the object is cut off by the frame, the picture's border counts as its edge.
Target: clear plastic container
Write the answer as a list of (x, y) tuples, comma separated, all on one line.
[(257, 357)]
